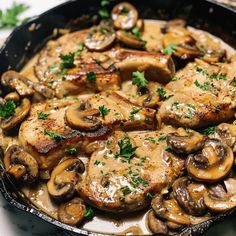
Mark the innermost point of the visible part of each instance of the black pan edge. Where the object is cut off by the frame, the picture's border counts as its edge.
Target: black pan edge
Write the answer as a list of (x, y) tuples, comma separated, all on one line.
[(15, 52)]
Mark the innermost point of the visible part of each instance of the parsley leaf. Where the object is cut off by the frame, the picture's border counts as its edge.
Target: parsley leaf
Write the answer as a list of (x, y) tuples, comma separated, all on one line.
[(162, 94), (139, 79), (104, 111), (170, 49), (105, 3), (72, 151), (10, 18), (126, 148), (42, 116), (8, 109), (126, 190), (205, 87), (209, 130), (91, 76), (234, 82), (67, 60), (136, 32), (89, 213), (133, 112), (103, 13), (54, 135)]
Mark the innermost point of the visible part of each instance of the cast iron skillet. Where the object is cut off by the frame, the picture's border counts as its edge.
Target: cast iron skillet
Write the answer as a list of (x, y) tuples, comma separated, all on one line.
[(24, 42)]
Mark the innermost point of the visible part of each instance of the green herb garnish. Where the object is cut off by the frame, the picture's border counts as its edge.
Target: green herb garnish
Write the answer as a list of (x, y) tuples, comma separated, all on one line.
[(138, 79), (209, 130), (136, 32), (162, 94), (126, 190), (170, 49), (89, 213), (10, 18), (206, 86), (67, 60), (104, 13), (8, 109), (54, 135), (149, 196), (133, 112), (91, 76), (72, 151), (104, 111), (42, 116), (126, 148), (234, 82)]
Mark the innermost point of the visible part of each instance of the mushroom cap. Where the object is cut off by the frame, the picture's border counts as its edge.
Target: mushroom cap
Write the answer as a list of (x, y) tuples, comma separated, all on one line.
[(169, 210), (221, 198), (185, 142), (64, 178), (130, 40), (189, 196), (99, 39), (212, 164), (124, 16), (82, 117), (20, 113), (72, 212), (20, 164), (13, 96), (156, 225)]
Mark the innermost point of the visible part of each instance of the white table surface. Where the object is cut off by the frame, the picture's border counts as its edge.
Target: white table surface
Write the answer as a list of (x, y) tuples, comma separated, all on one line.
[(17, 223)]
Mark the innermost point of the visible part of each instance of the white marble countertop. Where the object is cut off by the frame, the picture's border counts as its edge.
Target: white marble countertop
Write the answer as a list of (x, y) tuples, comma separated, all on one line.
[(17, 223)]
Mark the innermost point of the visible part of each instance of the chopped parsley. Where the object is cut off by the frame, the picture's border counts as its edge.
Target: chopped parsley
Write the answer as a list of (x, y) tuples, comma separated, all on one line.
[(91, 76), (218, 76), (149, 196), (170, 49), (42, 116), (202, 71), (133, 112), (8, 109), (234, 82), (10, 18), (136, 32), (67, 60), (206, 86), (139, 79), (162, 94), (104, 111), (96, 163), (54, 135), (125, 10), (150, 139), (103, 13), (126, 190), (162, 138), (89, 213), (209, 130), (126, 148), (122, 199), (175, 78), (52, 67), (72, 151), (105, 3), (79, 49)]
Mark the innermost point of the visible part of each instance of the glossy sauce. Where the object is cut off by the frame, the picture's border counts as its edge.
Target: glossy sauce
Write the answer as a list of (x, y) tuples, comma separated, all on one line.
[(134, 224)]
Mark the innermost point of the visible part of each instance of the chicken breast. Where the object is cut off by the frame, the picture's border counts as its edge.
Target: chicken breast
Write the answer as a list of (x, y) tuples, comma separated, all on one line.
[(48, 140), (130, 167), (202, 94)]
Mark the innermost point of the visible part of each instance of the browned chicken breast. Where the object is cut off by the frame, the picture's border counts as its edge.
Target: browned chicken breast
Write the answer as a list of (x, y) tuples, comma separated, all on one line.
[(202, 95), (69, 125), (120, 180)]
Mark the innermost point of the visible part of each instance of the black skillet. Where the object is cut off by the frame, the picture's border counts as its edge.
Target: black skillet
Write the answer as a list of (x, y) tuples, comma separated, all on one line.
[(24, 42)]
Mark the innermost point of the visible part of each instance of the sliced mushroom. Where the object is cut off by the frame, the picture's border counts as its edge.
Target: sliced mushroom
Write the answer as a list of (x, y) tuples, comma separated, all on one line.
[(15, 81), (227, 133), (72, 212), (20, 113), (185, 44), (14, 96), (81, 116), (213, 56), (20, 164), (185, 142), (157, 67), (189, 196), (99, 38), (124, 15), (212, 164), (221, 198), (130, 40), (64, 178), (23, 85), (156, 225), (169, 210)]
